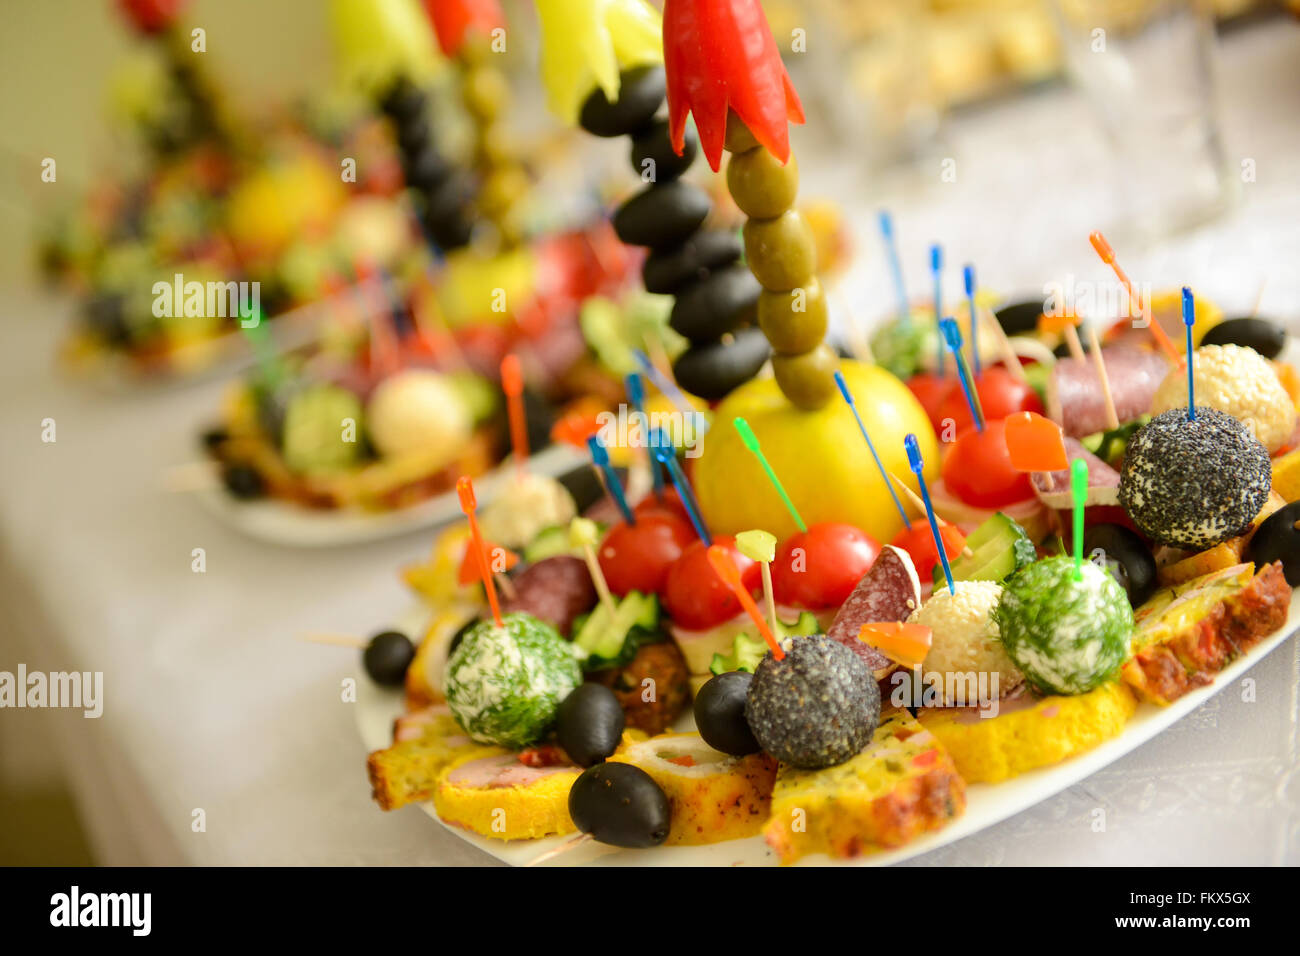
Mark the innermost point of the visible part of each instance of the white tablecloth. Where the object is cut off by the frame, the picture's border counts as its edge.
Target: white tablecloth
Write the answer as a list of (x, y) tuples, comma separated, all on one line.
[(210, 703)]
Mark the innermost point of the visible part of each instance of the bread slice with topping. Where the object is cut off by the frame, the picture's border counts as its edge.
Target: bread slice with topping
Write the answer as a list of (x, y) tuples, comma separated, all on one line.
[(901, 785), (1187, 633)]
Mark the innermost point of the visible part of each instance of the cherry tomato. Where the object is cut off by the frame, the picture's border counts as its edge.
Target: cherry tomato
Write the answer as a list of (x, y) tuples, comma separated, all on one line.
[(931, 390), (695, 597), (1001, 394), (671, 503), (918, 542), (820, 567), (978, 470), (637, 557)]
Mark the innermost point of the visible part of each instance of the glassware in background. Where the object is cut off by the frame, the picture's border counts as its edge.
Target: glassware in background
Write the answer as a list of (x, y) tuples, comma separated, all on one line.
[(1148, 69)]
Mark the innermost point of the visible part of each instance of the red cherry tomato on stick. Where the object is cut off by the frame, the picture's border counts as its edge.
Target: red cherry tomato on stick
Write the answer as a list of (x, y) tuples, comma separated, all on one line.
[(1001, 394), (820, 567), (978, 470), (918, 542), (932, 391), (637, 557), (695, 597)]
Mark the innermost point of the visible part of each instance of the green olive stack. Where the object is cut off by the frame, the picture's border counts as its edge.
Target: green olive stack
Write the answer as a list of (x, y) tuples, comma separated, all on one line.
[(716, 296), (486, 95), (442, 191), (782, 254)]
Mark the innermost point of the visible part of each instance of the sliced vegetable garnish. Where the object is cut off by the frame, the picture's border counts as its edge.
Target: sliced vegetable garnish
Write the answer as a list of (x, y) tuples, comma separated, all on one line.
[(1034, 443)]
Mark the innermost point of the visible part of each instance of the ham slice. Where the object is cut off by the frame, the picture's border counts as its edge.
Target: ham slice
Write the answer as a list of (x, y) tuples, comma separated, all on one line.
[(1074, 397), (1053, 487), (505, 770)]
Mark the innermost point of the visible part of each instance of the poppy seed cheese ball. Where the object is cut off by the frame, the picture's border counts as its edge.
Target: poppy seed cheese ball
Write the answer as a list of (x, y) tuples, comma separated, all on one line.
[(816, 707), (1193, 483)]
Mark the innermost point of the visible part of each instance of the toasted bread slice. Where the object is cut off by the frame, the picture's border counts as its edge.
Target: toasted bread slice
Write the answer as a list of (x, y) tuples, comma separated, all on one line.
[(495, 794), (1187, 633), (1028, 731), (407, 772), (714, 797), (900, 786)]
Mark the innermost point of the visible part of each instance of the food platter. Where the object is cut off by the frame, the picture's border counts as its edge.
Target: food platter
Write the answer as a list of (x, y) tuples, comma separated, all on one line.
[(987, 804), (277, 522)]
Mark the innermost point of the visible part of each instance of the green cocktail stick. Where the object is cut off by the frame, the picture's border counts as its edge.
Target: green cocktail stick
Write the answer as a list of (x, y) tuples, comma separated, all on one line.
[(751, 442), (1078, 492)]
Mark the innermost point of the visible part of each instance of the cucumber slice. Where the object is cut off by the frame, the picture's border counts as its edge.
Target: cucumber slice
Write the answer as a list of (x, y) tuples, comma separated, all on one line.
[(605, 634), (746, 651), (999, 547), (549, 543)]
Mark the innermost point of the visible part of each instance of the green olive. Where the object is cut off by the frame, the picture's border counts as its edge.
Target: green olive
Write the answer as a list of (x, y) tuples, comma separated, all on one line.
[(808, 380), (761, 186), (795, 321), (781, 252), (486, 91), (739, 138), (502, 188)]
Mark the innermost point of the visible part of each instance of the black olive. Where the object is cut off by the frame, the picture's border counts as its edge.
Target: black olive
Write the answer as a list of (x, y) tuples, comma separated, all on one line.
[(1020, 318), (620, 805), (413, 134), (1265, 337), (243, 481), (214, 438), (540, 413), (655, 145), (1125, 555), (720, 714), (426, 170), (662, 215), (640, 94), (106, 317), (667, 271), (403, 101), (717, 304), (460, 635), (1276, 539), (713, 370), (387, 657), (589, 724)]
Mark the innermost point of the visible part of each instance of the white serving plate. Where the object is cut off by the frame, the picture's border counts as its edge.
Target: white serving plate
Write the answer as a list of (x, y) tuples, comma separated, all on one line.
[(281, 522), (986, 803)]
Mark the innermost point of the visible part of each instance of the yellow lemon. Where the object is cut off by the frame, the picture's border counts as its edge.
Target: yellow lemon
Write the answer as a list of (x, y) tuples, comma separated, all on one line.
[(820, 457)]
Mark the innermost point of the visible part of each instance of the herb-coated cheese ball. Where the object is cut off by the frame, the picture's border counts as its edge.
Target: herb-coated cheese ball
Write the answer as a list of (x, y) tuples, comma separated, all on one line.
[(1066, 635), (1236, 380), (816, 707), (504, 684), (1193, 483)]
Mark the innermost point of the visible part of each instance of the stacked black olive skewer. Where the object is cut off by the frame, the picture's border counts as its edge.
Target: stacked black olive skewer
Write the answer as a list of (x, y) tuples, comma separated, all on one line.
[(716, 295)]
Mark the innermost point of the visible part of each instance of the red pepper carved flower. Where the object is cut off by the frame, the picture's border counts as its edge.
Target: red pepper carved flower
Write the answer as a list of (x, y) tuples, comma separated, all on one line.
[(454, 20), (151, 16), (720, 55)]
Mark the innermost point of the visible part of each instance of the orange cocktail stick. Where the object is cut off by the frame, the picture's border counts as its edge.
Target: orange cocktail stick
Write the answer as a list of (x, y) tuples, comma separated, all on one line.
[(512, 383), (465, 491), (1108, 256), (1034, 443), (730, 574)]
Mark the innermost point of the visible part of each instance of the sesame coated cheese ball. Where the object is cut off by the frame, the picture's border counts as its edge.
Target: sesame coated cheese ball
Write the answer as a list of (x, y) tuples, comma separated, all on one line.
[(1236, 380), (965, 638)]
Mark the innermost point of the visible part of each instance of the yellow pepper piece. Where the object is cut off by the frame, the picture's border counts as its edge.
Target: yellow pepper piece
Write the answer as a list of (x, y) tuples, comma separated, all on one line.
[(585, 43), (377, 41), (584, 533), (757, 545)]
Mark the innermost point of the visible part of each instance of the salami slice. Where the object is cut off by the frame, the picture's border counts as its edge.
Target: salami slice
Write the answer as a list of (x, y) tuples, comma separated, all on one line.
[(1053, 487), (1074, 396), (889, 591), (556, 590)]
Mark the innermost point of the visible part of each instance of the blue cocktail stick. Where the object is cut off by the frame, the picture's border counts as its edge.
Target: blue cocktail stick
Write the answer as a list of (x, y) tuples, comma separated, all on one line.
[(636, 395), (917, 465), (601, 457), (968, 276), (896, 267), (848, 397), (662, 449), (1189, 319), (669, 388), (951, 335), (936, 273)]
